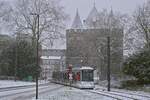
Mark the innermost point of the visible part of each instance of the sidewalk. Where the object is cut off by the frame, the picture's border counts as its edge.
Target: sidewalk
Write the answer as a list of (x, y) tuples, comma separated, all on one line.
[(12, 83)]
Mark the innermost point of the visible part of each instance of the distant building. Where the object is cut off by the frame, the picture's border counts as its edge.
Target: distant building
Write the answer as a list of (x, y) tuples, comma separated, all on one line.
[(52, 60), (87, 44), (22, 36)]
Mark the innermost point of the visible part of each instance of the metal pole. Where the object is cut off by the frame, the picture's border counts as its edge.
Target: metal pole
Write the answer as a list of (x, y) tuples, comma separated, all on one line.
[(16, 61), (108, 62), (37, 53), (37, 58)]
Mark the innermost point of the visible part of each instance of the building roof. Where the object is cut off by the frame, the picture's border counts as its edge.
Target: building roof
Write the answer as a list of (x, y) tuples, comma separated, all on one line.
[(77, 24), (51, 57), (95, 20), (93, 15), (86, 67), (53, 52)]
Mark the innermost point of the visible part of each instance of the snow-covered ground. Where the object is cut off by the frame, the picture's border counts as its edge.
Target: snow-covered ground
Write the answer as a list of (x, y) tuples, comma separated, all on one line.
[(99, 93), (138, 95), (26, 93), (12, 83), (116, 84), (97, 87), (53, 91), (66, 93)]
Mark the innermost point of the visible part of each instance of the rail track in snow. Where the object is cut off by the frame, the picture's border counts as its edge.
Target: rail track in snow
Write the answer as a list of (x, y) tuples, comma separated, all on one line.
[(121, 95)]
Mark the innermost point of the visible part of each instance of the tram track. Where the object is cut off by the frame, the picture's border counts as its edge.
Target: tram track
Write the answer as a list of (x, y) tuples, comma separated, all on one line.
[(139, 95), (129, 94), (110, 95), (120, 95)]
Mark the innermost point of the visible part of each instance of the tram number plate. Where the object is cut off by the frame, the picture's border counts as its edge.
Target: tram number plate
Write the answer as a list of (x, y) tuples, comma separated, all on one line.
[(70, 77)]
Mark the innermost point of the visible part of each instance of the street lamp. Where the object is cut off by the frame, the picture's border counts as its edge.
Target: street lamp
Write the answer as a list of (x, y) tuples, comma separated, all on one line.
[(37, 55)]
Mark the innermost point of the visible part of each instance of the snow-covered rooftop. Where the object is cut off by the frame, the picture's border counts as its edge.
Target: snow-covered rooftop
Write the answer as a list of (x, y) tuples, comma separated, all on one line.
[(86, 67), (50, 57), (93, 15)]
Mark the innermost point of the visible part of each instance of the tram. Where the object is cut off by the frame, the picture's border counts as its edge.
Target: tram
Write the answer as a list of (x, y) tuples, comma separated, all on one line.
[(82, 77)]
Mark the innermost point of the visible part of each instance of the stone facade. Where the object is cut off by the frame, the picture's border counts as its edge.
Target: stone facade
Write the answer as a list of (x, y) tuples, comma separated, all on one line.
[(89, 47)]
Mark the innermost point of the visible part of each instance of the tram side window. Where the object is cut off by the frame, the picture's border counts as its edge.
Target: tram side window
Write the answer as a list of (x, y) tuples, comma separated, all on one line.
[(87, 75)]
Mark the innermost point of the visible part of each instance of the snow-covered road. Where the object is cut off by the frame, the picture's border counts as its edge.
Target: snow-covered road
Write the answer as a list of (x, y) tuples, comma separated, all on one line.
[(12, 83), (27, 93), (66, 93), (51, 91)]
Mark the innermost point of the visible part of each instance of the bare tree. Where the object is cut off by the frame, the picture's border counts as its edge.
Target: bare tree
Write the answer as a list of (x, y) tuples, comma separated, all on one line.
[(141, 23), (51, 17), (5, 10), (137, 32)]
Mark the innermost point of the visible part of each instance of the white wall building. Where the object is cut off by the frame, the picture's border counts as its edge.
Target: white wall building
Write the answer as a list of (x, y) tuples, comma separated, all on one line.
[(52, 60)]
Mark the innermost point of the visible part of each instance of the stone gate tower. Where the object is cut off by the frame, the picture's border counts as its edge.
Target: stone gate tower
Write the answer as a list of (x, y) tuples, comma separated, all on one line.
[(87, 45)]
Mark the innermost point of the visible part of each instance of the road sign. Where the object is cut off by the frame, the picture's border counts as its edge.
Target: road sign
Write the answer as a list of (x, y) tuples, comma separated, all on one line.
[(70, 76)]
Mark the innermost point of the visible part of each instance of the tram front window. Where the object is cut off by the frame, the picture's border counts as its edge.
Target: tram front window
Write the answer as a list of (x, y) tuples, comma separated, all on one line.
[(87, 75)]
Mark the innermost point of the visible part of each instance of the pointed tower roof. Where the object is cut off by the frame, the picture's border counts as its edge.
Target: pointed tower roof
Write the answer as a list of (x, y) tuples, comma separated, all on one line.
[(113, 21), (111, 13), (77, 24), (93, 15), (111, 16)]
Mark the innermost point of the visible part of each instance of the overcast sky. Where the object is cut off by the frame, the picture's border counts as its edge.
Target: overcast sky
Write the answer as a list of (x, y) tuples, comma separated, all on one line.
[(85, 6)]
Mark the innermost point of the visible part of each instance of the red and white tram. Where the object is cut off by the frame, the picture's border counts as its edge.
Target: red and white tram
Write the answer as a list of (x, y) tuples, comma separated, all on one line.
[(82, 77)]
